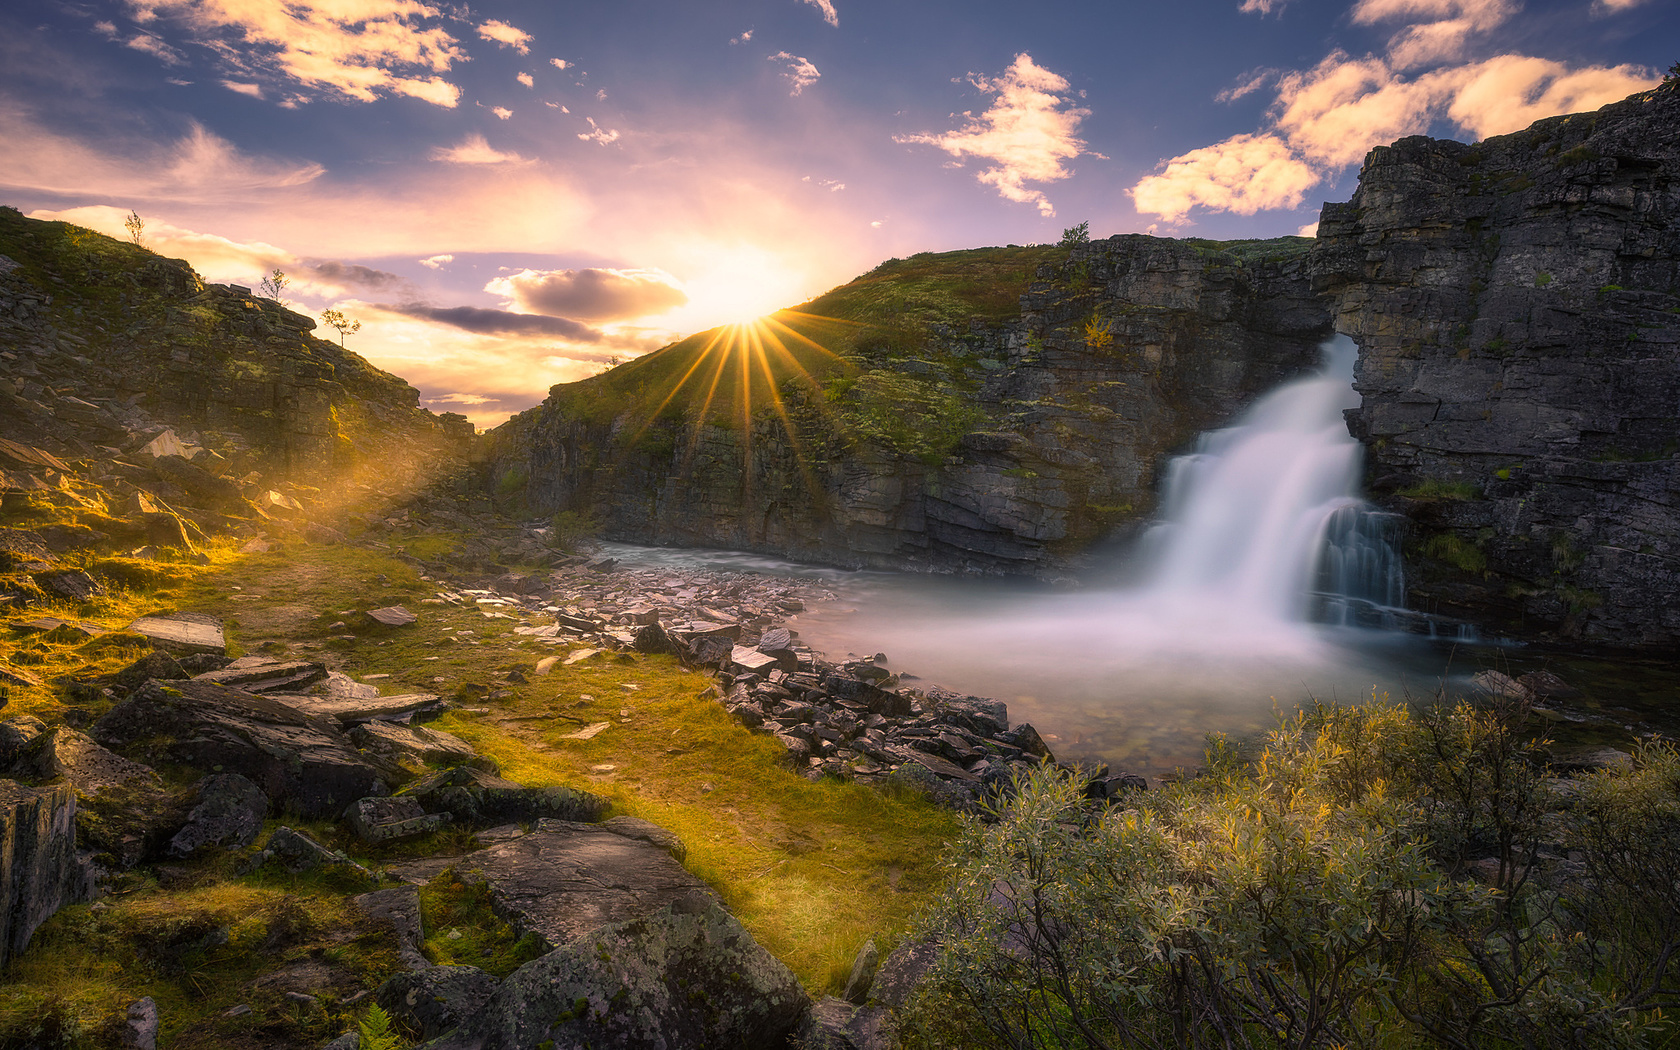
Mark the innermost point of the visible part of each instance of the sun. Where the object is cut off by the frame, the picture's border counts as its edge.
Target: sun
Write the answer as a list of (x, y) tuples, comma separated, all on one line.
[(739, 285)]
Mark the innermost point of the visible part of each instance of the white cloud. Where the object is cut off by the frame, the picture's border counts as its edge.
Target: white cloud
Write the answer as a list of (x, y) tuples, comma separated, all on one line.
[(108, 30), (436, 262), (1610, 7), (474, 150), (560, 63), (1336, 112), (253, 90), (743, 38), (506, 35), (830, 15), (1308, 230), (1246, 84), (800, 73), (1261, 7), (502, 112), (1243, 174), (151, 45), (1441, 30), (356, 50), (597, 134), (832, 185), (527, 79), (1027, 133), (1509, 93)]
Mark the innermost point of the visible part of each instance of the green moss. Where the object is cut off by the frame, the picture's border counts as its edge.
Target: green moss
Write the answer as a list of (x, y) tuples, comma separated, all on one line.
[(1448, 547), (462, 928), (1438, 490)]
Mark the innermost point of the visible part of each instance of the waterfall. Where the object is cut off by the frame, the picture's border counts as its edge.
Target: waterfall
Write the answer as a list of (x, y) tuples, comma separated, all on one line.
[(1264, 521)]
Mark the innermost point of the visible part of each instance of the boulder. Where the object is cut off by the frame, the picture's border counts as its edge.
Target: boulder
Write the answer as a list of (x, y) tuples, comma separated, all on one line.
[(685, 977), (1548, 686), (228, 811), (1498, 684), (293, 757), (648, 831), (349, 710), (123, 809), (480, 799), (391, 616), (260, 674), (297, 852), (73, 585), (182, 632), (40, 869), (155, 664), (437, 999), (418, 743), (398, 910), (977, 714), (868, 961), (392, 819)]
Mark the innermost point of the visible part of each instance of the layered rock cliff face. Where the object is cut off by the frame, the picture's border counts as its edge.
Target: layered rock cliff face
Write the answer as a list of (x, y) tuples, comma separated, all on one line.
[(1005, 443), (1517, 307)]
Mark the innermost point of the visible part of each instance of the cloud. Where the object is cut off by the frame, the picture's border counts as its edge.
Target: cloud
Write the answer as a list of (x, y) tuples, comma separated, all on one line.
[(743, 38), (502, 112), (253, 90), (358, 50), (474, 150), (598, 134), (1261, 7), (527, 79), (1336, 112), (1247, 84), (346, 276), (506, 35), (560, 63), (1243, 174), (799, 72), (1441, 29), (151, 45), (1027, 134), (1610, 7), (1308, 230), (436, 262), (830, 15), (596, 294), (462, 399), (1509, 93), (832, 185), (198, 166), (486, 321)]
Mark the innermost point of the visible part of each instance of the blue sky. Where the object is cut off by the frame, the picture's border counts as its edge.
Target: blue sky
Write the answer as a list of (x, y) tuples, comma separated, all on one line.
[(509, 195)]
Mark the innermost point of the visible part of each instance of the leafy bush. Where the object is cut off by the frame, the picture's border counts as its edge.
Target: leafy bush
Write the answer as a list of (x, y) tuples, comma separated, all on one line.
[(1076, 235), (1320, 895), (570, 529)]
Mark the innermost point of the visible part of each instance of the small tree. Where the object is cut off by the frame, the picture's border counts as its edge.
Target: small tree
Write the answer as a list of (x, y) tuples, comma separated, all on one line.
[(345, 326), (1075, 235), (136, 228), (273, 285)]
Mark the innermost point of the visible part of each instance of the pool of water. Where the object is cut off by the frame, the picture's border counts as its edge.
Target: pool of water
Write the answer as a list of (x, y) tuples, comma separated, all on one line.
[(1120, 676)]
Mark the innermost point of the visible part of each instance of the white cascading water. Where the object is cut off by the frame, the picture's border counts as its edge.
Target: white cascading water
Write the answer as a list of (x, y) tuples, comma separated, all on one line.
[(1264, 521)]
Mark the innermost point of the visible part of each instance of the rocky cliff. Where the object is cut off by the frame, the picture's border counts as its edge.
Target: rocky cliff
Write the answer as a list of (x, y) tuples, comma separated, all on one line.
[(1517, 307), (988, 411)]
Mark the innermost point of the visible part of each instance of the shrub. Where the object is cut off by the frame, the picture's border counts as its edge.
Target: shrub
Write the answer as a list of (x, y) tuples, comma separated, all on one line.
[(570, 529), (1076, 235)]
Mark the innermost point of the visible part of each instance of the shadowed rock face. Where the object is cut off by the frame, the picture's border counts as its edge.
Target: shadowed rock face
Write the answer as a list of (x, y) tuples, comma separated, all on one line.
[(1070, 433), (1517, 308), (40, 871)]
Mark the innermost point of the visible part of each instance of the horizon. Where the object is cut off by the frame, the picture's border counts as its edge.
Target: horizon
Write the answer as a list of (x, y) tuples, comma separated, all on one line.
[(513, 197)]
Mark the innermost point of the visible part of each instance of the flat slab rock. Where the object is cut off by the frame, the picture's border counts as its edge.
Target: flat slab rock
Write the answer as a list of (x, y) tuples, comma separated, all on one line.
[(291, 755), (260, 674), (182, 632), (567, 879), (349, 710)]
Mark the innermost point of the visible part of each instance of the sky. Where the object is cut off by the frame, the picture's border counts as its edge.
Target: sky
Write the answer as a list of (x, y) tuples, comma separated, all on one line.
[(509, 195)]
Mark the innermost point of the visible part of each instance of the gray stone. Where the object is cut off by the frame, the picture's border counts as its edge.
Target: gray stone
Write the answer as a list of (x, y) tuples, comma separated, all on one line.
[(647, 831), (73, 585), (392, 616), (686, 976), (392, 819), (347, 710), (398, 910), (902, 971), (480, 799), (419, 743), (863, 973), (182, 632), (296, 852), (437, 999), (229, 812), (260, 674), (40, 869), (291, 756), (140, 1027)]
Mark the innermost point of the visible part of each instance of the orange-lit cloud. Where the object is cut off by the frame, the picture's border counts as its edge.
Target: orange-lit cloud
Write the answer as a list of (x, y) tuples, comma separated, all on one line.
[(596, 294), (1509, 93), (355, 50), (800, 73), (474, 150), (597, 134), (151, 45), (1439, 30), (506, 35), (830, 15), (1336, 112), (1243, 174), (1028, 133)]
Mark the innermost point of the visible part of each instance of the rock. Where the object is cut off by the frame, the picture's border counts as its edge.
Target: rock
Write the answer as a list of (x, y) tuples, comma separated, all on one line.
[(340, 685), (398, 910), (1570, 761), (684, 977), (419, 744), (155, 664), (351, 710), (835, 1024), (480, 799), (648, 831), (140, 1028), (1548, 686), (751, 661), (1495, 683), (863, 973), (435, 1000), (123, 809), (293, 757), (182, 632), (260, 674), (392, 819), (392, 616), (351, 1040), (228, 811), (651, 638), (40, 869), (297, 853), (73, 585), (1025, 737), (18, 676), (902, 971), (981, 715)]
